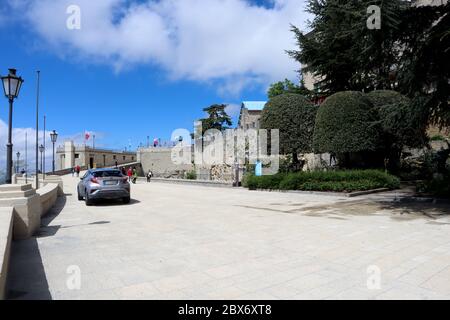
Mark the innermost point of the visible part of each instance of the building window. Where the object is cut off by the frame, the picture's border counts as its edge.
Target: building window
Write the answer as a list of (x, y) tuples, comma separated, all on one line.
[(132, 158), (114, 157), (124, 158), (77, 156)]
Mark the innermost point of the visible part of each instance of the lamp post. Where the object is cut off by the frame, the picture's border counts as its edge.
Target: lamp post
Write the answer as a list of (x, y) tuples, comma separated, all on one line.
[(41, 150), (53, 137), (17, 162), (11, 87)]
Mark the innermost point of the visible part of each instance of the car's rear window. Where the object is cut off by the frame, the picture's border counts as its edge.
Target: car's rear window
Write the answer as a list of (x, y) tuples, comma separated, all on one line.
[(110, 173)]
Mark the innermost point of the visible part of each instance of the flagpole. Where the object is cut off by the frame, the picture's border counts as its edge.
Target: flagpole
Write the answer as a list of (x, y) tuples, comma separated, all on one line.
[(26, 157), (43, 165), (37, 131)]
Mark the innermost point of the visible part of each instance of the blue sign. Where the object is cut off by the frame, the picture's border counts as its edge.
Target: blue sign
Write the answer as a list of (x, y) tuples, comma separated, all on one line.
[(258, 169)]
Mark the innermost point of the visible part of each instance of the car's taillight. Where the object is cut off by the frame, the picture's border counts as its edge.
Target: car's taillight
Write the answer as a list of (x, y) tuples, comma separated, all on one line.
[(95, 180)]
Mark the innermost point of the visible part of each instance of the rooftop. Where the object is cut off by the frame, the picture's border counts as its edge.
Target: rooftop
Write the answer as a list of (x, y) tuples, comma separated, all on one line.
[(254, 105)]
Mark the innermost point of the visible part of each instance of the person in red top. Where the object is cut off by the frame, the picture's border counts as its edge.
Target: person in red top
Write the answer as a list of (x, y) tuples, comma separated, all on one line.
[(129, 173), (78, 170)]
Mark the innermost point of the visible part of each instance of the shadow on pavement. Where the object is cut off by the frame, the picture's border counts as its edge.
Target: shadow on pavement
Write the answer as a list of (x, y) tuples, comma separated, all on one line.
[(110, 203), (27, 279)]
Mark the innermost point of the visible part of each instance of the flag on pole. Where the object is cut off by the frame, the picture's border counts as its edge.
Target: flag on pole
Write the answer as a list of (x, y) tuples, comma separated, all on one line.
[(87, 136)]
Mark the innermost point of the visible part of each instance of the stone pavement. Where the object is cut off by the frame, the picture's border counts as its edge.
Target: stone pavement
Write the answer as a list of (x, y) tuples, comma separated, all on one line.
[(195, 242)]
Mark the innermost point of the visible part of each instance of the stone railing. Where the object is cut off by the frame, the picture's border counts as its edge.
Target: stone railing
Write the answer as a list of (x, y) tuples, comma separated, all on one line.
[(53, 179), (6, 226), (21, 210), (48, 195)]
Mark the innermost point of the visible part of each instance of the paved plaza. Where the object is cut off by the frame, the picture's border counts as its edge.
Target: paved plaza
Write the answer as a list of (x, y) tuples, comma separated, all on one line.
[(194, 242)]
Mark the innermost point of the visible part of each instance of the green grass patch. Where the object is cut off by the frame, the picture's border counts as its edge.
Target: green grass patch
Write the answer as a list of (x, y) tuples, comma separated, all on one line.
[(337, 181)]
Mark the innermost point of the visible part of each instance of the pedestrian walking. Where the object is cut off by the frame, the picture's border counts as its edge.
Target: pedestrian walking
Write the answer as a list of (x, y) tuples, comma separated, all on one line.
[(149, 175), (129, 173), (78, 169), (73, 171), (135, 175), (124, 171)]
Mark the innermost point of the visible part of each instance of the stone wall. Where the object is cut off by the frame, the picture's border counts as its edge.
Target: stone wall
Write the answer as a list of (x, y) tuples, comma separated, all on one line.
[(159, 161), (21, 209), (6, 227)]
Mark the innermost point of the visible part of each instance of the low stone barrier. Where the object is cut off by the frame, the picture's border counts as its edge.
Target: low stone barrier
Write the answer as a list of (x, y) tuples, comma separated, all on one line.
[(207, 183), (42, 182), (27, 208), (6, 227), (29, 205), (49, 193)]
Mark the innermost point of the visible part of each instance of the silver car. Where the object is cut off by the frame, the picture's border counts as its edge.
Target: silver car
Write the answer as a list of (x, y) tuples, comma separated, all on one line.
[(103, 184)]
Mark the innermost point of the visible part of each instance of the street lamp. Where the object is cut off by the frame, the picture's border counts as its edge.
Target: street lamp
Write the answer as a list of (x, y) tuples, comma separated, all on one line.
[(17, 163), (11, 87), (41, 150), (53, 137)]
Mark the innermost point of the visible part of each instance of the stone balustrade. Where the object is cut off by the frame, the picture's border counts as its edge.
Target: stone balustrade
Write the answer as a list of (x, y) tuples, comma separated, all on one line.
[(6, 227), (21, 210)]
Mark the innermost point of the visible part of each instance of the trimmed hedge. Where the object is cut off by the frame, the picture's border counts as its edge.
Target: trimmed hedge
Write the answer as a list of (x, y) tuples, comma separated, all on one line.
[(402, 120), (338, 181), (345, 123), (295, 117)]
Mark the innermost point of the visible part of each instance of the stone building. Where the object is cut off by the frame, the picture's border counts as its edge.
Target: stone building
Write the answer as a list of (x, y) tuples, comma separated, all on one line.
[(250, 114), (70, 155)]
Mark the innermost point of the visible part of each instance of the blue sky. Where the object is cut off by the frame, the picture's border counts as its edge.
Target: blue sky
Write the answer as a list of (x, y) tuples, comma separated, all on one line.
[(141, 68)]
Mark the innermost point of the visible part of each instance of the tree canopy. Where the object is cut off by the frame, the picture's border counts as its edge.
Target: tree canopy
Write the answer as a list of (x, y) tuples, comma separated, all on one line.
[(409, 53), (217, 118), (294, 116), (286, 86), (400, 122), (345, 123)]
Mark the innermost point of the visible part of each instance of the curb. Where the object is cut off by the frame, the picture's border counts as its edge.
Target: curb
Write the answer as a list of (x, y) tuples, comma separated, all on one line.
[(191, 182), (325, 193)]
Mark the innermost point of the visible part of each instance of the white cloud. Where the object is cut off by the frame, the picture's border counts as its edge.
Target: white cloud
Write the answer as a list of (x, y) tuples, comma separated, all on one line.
[(229, 42)]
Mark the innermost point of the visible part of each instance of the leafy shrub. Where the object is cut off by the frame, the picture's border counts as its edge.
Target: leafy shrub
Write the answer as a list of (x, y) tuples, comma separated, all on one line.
[(402, 119), (437, 137), (351, 180), (346, 123), (191, 175), (294, 116), (438, 186)]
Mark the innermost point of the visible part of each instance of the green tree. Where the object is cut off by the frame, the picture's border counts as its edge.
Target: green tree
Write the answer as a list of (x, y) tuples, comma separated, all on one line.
[(294, 116), (425, 67), (401, 123), (217, 118), (346, 124), (287, 86), (409, 53)]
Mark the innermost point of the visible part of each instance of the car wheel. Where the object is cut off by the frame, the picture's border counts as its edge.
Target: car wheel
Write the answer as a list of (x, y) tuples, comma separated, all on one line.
[(126, 200), (79, 196), (87, 200)]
